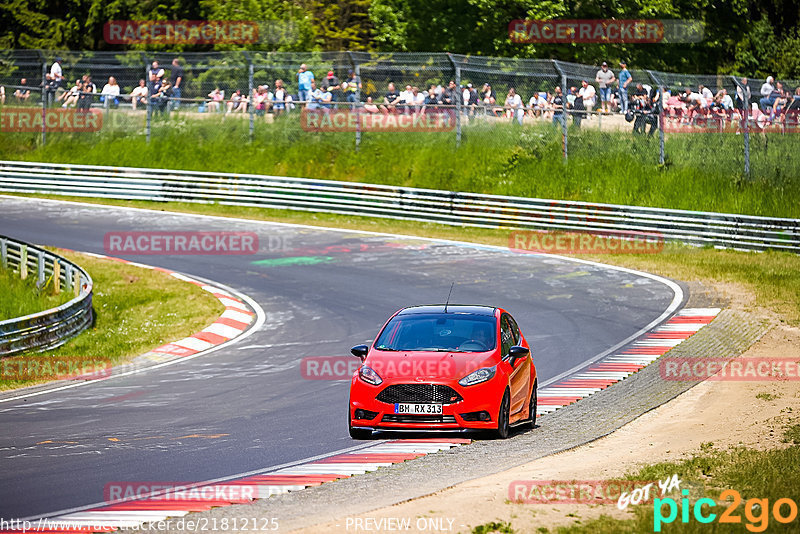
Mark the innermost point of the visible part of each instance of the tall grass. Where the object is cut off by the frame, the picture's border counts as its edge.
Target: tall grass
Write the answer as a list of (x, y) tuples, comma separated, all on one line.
[(21, 297), (701, 172)]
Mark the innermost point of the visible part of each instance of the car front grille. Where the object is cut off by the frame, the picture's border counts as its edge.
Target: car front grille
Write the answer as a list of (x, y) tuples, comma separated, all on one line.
[(419, 393), (424, 419)]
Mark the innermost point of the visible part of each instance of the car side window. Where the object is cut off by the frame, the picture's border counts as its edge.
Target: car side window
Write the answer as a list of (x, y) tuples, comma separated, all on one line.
[(514, 330), (506, 336)]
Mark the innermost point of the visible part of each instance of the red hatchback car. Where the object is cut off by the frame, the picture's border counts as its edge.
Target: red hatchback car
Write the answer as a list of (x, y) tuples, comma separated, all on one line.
[(444, 367)]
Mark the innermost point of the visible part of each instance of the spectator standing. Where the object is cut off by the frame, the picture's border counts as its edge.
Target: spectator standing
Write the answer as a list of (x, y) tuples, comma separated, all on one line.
[(604, 79), (54, 80), (176, 78), (557, 102), (515, 106), (139, 94), (110, 93), (579, 110), (154, 78), (280, 97), (352, 87), (333, 84), (452, 95), (489, 96), (304, 80), (588, 94), (740, 94), (22, 94), (624, 81)]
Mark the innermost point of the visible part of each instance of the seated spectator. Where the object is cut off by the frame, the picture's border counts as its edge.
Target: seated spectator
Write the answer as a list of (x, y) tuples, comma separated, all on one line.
[(139, 95), (260, 99), (326, 98), (2, 95), (22, 94), (216, 97), (431, 101), (488, 95), (768, 102), (767, 92), (85, 96), (110, 94), (706, 92), (588, 94), (70, 98), (314, 96), (675, 107), (370, 106), (451, 95), (406, 98), (391, 100), (279, 97), (418, 99), (237, 103), (160, 100), (696, 104)]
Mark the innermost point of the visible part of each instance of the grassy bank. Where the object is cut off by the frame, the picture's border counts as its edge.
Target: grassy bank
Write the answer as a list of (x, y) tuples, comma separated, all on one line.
[(702, 171), (770, 475), (136, 310), (21, 297)]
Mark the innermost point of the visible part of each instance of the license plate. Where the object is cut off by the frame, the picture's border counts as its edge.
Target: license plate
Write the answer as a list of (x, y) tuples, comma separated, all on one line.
[(418, 409)]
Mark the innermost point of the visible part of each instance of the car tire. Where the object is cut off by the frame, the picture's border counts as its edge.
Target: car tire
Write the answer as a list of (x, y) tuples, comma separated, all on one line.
[(358, 433), (503, 427), (534, 403)]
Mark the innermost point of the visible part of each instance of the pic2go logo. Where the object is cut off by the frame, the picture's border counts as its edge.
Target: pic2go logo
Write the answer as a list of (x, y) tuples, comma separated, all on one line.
[(756, 511)]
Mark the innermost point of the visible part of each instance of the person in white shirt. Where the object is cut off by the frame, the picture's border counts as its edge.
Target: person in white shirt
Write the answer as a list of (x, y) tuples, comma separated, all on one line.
[(407, 98), (71, 97), (514, 105), (419, 98), (706, 92), (110, 93), (139, 95), (767, 87), (55, 72), (588, 93)]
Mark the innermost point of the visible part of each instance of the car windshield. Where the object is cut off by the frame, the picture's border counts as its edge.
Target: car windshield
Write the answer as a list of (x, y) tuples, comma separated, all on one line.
[(451, 332)]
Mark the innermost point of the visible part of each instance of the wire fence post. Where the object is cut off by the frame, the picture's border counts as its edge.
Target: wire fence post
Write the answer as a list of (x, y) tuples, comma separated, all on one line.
[(661, 105), (357, 107), (149, 113), (250, 99), (457, 80), (44, 102)]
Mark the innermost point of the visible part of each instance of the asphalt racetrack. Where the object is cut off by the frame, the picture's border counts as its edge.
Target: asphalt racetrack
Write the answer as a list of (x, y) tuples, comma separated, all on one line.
[(247, 406)]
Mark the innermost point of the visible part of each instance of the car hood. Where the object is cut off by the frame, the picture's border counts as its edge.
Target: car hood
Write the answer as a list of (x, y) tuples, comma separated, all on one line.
[(419, 364)]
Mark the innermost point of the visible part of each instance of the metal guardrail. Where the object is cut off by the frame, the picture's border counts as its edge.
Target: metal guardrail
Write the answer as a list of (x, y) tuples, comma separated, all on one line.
[(50, 328), (445, 207)]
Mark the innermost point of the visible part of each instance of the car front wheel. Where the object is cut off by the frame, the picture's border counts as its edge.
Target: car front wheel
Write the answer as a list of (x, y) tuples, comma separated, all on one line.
[(357, 433), (502, 416)]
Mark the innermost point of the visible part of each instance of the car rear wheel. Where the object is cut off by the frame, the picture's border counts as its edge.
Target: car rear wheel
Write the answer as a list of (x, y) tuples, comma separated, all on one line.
[(357, 433), (502, 417), (534, 402)]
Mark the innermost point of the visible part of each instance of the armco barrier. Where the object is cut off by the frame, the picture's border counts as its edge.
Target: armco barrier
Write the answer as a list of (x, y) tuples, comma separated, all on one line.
[(446, 207), (49, 328)]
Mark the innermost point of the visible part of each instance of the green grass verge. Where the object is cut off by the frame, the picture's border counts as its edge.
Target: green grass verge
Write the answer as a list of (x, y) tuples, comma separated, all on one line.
[(22, 297), (754, 474), (136, 310), (702, 171)]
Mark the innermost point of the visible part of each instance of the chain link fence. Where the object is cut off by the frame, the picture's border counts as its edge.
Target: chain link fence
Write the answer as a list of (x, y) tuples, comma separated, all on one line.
[(662, 118)]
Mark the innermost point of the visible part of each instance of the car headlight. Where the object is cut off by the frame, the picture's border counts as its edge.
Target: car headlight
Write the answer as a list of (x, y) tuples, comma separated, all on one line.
[(480, 375), (369, 376)]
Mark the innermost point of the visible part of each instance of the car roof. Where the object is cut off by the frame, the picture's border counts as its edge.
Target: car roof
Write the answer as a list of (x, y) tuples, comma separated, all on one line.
[(451, 308)]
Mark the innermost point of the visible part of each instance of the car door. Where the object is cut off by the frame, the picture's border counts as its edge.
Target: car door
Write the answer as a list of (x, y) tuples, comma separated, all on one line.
[(520, 374)]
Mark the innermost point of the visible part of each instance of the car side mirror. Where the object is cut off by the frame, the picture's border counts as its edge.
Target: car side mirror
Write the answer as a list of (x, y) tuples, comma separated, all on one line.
[(360, 351), (517, 353)]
